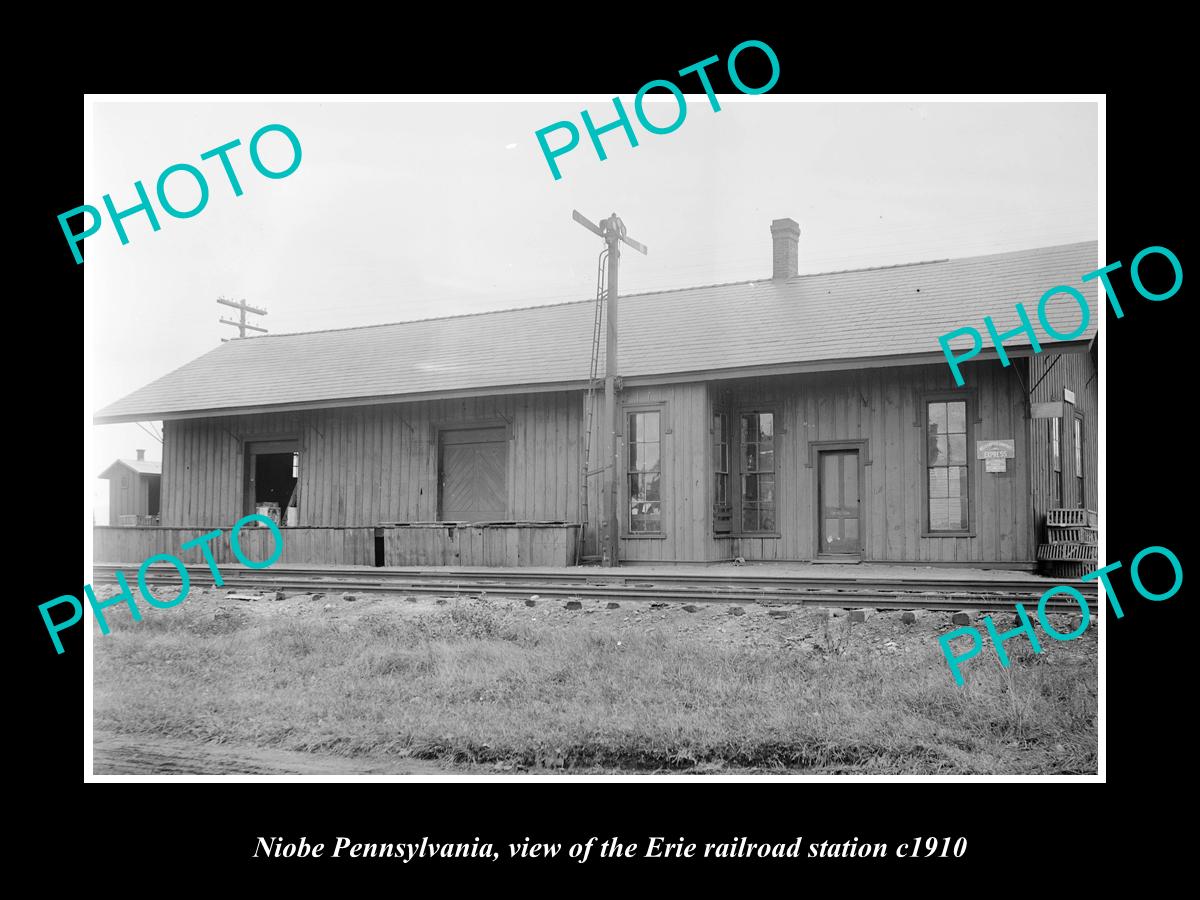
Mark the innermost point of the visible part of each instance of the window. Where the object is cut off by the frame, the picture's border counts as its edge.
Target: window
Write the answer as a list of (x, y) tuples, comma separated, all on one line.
[(758, 471), (948, 474), (1079, 460), (1055, 465), (721, 500), (644, 473)]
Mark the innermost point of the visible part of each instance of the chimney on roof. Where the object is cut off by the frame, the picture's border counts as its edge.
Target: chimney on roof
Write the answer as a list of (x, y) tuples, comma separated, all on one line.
[(141, 455), (785, 258)]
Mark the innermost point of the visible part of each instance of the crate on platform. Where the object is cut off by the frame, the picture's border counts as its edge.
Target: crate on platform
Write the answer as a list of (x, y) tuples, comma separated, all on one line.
[(1062, 534), (1076, 517), (1067, 551), (1068, 569)]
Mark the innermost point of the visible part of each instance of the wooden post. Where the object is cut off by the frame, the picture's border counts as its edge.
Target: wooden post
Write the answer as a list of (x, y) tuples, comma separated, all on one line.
[(612, 230)]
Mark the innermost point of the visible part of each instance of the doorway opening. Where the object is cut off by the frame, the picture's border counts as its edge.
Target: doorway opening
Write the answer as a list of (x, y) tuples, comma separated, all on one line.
[(272, 479), (153, 494)]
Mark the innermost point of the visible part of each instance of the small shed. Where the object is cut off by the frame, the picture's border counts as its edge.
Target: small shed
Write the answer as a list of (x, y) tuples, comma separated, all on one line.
[(134, 489)]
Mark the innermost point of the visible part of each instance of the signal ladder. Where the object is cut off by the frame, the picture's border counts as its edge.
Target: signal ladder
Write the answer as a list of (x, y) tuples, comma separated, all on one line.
[(593, 397)]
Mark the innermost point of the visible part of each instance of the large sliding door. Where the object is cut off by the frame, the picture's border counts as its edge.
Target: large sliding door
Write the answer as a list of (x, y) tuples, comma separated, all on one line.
[(473, 466)]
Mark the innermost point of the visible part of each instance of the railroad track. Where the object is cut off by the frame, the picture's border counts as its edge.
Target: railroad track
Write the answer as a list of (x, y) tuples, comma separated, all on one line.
[(687, 587)]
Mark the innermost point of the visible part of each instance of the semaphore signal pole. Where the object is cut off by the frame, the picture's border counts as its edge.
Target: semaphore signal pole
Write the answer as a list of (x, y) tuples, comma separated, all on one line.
[(612, 230), (241, 325)]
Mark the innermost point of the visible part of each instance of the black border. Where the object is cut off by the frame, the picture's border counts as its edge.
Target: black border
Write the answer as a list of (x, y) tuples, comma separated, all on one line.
[(1014, 831)]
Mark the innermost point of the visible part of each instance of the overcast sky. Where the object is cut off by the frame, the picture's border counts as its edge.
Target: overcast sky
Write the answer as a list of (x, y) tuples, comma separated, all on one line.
[(407, 210)]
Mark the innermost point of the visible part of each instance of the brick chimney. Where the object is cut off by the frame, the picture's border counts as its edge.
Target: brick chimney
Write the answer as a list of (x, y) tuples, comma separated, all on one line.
[(785, 258), (141, 455)]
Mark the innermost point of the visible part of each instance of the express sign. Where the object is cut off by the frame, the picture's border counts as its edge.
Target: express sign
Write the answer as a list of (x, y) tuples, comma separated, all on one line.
[(995, 450)]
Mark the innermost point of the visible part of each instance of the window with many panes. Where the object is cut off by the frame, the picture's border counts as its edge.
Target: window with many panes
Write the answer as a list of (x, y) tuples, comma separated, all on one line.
[(1055, 464), (722, 502), (757, 434), (1079, 460), (644, 473), (947, 470)]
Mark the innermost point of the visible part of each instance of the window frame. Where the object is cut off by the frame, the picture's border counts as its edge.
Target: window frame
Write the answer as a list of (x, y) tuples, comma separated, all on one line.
[(664, 429), (962, 395), (1077, 440), (1054, 454), (721, 513), (738, 470)]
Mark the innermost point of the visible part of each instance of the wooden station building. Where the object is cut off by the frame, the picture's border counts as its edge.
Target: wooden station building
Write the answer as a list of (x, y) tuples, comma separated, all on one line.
[(134, 489), (800, 417)]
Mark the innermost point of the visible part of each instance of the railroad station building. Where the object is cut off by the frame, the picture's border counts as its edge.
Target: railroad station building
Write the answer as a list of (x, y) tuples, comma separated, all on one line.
[(800, 417)]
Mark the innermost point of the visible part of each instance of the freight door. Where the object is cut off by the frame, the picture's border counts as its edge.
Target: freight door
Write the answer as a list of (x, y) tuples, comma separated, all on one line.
[(839, 509), (473, 464)]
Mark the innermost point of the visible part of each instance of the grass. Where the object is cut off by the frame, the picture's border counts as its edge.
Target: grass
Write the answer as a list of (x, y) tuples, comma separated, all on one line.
[(471, 684)]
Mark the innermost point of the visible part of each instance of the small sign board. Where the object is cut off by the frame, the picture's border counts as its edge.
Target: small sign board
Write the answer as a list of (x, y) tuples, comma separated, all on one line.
[(1069, 396), (995, 464), (994, 450), (1047, 410)]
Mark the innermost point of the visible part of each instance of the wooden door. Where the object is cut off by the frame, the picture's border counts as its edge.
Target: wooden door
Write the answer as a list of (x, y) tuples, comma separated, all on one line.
[(840, 503), (473, 466)]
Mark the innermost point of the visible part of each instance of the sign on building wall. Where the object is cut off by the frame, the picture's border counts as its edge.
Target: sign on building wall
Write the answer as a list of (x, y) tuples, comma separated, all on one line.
[(995, 450), (1052, 410), (995, 454)]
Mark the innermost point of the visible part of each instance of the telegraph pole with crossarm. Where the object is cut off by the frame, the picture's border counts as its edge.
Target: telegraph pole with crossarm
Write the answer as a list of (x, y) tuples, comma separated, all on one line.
[(612, 230), (241, 325)]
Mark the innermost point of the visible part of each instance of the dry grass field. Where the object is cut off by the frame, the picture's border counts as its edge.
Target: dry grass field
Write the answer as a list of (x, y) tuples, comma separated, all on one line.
[(482, 685)]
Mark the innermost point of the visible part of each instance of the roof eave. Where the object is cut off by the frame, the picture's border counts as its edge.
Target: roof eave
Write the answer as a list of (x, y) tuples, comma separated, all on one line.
[(835, 365), (376, 400), (828, 365)]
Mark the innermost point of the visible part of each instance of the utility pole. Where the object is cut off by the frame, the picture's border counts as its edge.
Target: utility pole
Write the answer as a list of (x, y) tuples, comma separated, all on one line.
[(612, 527), (612, 230), (241, 325)]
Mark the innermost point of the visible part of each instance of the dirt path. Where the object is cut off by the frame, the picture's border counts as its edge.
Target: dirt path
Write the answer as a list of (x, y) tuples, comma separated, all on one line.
[(118, 754)]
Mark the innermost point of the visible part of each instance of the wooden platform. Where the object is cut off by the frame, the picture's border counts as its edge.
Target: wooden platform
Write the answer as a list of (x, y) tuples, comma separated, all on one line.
[(331, 546), (516, 544)]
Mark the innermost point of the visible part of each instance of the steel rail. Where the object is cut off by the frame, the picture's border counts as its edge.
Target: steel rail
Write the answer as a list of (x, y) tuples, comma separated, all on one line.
[(898, 595), (1024, 585)]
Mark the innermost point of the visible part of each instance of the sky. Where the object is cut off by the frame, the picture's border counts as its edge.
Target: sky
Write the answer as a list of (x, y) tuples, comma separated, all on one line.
[(411, 209)]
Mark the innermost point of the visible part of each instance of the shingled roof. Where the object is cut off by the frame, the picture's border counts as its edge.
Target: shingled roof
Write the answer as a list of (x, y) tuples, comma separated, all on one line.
[(139, 466), (884, 316)]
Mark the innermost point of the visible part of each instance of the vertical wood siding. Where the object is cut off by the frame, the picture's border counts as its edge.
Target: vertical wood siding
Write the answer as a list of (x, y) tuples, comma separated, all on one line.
[(361, 466), (884, 408), (489, 545), (880, 406), (1076, 372), (370, 465), (332, 546)]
